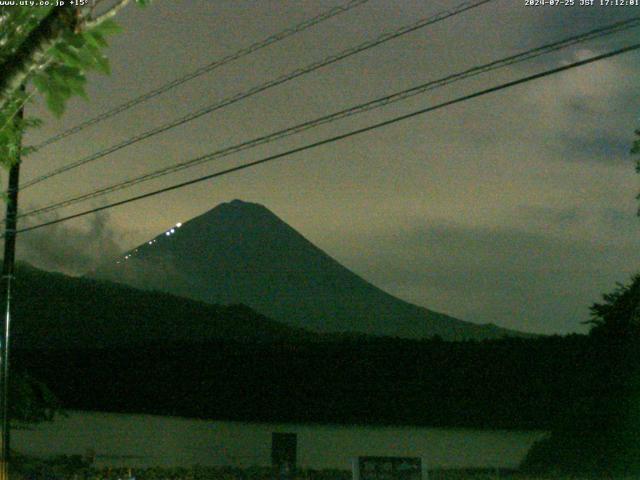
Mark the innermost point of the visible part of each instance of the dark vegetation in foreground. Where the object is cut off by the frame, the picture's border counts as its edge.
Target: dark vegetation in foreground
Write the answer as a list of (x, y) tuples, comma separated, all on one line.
[(231, 363), (600, 434), (516, 384), (74, 467)]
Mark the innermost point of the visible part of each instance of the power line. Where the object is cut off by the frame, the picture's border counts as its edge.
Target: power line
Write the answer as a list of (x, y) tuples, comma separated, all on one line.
[(385, 37), (368, 106), (342, 136), (205, 69)]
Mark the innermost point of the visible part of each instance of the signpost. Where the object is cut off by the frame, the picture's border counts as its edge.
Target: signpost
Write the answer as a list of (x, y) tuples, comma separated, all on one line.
[(284, 452), (388, 468)]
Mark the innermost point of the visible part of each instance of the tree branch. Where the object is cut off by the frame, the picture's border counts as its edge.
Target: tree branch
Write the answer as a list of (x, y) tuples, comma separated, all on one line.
[(30, 53), (112, 12)]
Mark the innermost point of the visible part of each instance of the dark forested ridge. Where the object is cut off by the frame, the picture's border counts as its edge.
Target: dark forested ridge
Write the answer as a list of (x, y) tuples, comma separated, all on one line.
[(54, 311), (493, 384)]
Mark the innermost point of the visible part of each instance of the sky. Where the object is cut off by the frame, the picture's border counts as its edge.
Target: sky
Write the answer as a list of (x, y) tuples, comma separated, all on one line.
[(516, 208)]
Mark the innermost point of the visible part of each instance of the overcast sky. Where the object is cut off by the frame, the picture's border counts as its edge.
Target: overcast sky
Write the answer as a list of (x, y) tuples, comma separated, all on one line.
[(516, 208)]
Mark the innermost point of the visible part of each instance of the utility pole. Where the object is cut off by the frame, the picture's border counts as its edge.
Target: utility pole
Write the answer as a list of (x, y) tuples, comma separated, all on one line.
[(7, 282)]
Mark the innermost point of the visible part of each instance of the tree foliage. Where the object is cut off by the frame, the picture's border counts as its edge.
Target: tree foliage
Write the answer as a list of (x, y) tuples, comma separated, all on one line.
[(619, 313), (599, 434), (48, 50)]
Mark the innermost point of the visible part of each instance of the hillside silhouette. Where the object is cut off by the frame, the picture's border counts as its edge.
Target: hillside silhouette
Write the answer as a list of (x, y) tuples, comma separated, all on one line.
[(53, 311), (241, 252)]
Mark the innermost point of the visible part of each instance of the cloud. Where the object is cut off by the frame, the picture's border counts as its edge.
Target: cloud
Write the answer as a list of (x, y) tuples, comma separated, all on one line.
[(608, 150), (71, 249), (549, 24), (512, 277)]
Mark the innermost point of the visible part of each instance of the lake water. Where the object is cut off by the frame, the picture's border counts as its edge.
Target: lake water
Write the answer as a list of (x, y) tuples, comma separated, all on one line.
[(148, 440)]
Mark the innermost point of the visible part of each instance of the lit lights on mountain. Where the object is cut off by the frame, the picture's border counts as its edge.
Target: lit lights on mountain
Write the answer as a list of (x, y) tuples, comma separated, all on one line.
[(168, 233)]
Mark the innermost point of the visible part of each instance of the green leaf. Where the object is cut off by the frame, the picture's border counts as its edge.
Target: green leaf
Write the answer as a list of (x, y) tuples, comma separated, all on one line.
[(74, 39), (55, 103), (76, 84), (26, 151), (108, 27), (41, 82), (94, 58), (95, 38), (59, 84), (67, 55), (87, 57), (103, 64), (32, 122)]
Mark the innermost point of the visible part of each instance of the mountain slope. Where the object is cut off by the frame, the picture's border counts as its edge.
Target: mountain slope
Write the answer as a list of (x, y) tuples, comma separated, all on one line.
[(55, 311), (241, 252)]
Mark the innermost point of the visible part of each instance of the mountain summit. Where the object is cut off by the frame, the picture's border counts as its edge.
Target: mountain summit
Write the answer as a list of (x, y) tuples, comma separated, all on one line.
[(241, 252)]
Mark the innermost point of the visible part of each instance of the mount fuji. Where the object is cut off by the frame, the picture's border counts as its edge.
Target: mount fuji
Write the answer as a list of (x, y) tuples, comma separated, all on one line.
[(242, 253)]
